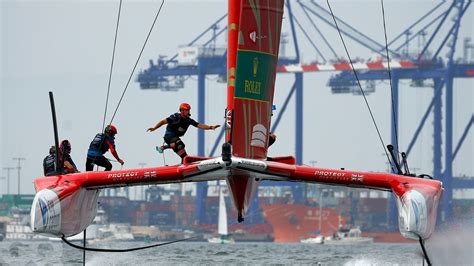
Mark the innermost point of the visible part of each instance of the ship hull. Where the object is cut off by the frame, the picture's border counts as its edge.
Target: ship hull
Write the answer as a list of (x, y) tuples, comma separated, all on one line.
[(294, 222)]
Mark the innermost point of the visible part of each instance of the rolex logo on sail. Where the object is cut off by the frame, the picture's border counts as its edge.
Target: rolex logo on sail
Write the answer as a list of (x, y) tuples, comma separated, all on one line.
[(252, 86), (252, 75), (255, 67)]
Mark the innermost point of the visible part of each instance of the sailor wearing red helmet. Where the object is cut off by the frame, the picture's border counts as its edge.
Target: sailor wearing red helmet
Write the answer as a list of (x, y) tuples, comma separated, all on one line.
[(101, 143), (177, 124)]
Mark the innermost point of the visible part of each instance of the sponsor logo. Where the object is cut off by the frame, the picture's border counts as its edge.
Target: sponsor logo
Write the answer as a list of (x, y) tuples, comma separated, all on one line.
[(126, 174), (253, 164), (332, 176), (255, 66), (44, 210), (209, 164), (252, 80), (253, 36), (123, 176), (253, 87), (329, 173)]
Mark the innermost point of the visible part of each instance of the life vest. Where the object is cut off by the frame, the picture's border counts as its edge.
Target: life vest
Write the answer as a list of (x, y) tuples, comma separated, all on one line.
[(49, 165), (177, 125), (99, 146)]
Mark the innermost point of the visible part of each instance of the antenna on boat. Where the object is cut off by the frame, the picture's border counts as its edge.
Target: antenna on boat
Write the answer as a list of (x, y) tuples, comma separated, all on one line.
[(405, 163), (394, 159)]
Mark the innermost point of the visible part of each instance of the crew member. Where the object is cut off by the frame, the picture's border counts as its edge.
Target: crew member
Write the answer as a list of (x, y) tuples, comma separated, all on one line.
[(49, 162), (101, 143), (271, 139), (68, 164), (177, 124)]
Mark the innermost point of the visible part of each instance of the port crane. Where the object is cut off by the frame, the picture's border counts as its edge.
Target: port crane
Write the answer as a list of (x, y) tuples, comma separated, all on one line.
[(440, 25)]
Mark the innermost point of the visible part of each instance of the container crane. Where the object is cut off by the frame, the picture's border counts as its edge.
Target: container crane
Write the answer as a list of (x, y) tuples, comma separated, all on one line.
[(169, 74), (427, 66)]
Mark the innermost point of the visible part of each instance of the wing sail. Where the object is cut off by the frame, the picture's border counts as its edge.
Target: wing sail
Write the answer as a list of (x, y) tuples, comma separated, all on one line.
[(257, 56)]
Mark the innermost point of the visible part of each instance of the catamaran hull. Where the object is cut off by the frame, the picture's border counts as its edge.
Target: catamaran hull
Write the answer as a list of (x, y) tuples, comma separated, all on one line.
[(55, 215), (417, 213)]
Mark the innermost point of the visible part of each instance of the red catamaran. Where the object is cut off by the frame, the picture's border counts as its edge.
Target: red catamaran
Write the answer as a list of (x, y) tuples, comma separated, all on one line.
[(65, 205)]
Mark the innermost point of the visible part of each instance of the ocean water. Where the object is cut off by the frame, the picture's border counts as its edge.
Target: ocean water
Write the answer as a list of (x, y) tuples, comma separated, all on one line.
[(199, 253)]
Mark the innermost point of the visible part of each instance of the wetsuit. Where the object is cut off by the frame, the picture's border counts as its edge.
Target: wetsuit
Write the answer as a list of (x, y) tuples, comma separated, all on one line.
[(67, 158), (95, 155), (177, 126), (49, 164)]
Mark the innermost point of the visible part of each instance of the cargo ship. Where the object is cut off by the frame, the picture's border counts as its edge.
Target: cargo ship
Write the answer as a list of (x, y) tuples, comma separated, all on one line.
[(294, 222)]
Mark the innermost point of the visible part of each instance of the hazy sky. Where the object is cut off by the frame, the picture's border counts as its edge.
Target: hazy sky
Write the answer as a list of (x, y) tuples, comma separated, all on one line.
[(66, 47)]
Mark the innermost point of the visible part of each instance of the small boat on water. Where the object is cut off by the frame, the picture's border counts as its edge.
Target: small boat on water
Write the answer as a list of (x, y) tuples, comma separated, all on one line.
[(348, 236), (223, 237), (18, 227), (313, 240)]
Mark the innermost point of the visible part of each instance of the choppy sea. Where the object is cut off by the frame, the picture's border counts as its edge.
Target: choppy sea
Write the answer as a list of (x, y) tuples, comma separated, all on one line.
[(198, 253)]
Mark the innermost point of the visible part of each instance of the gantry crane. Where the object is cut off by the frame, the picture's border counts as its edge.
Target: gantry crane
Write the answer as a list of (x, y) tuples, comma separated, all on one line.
[(206, 59)]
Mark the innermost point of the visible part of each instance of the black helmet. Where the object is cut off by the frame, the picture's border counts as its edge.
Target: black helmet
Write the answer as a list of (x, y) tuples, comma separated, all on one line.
[(52, 150), (110, 129), (65, 146)]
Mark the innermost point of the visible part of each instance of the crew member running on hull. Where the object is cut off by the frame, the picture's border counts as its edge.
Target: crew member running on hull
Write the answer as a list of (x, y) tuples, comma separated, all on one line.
[(101, 143), (177, 124)]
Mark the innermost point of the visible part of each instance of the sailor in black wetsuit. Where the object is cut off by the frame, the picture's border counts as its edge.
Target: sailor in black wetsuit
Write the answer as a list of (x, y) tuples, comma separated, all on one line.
[(177, 124), (101, 143), (49, 162), (66, 163)]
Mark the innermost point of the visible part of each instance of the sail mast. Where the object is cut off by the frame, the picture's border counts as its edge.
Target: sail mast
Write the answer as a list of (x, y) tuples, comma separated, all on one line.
[(232, 43)]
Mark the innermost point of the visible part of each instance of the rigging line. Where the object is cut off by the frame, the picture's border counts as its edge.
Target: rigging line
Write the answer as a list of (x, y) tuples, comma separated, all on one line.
[(394, 115), (138, 59), (110, 77), (112, 64), (124, 250), (360, 87)]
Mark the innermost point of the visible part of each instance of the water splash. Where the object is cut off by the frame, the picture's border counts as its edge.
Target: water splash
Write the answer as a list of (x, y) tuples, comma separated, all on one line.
[(453, 245), (362, 262)]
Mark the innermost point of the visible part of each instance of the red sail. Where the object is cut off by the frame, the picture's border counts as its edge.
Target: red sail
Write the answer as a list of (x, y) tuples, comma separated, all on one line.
[(257, 56)]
